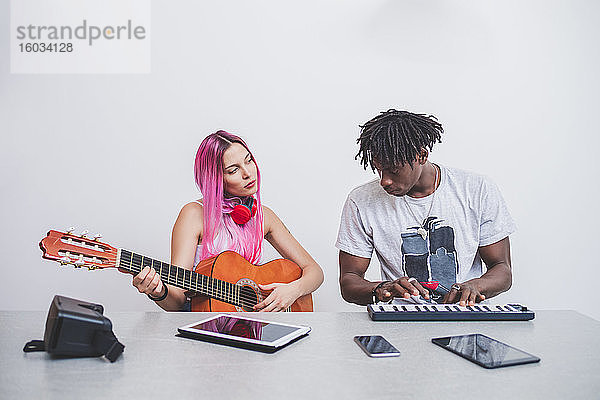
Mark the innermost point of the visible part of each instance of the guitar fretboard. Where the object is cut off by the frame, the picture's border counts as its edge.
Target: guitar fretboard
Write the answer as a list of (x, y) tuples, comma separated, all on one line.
[(185, 279)]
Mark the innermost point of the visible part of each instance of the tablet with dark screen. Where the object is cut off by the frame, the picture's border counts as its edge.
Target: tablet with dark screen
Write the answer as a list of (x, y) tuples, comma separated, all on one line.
[(485, 351)]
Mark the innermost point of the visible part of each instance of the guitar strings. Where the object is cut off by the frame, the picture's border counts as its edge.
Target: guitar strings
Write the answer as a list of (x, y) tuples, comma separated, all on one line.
[(225, 293), (212, 288)]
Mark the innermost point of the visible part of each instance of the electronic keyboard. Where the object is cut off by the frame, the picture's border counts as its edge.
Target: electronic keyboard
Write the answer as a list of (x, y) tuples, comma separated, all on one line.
[(449, 312)]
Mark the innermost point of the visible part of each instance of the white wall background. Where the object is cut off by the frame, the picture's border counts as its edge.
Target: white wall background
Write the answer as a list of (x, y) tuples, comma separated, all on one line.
[(515, 84)]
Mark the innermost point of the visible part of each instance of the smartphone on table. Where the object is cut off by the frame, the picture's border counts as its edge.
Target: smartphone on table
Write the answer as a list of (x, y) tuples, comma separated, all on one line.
[(376, 346), (485, 351)]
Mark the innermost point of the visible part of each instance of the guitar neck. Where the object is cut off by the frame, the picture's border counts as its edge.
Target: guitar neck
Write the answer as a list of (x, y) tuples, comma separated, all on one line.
[(180, 277)]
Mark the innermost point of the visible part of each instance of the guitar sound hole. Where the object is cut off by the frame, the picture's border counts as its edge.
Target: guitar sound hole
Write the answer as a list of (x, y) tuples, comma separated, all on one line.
[(248, 298)]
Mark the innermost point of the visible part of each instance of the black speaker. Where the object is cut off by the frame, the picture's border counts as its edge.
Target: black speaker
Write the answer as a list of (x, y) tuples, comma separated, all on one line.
[(76, 328)]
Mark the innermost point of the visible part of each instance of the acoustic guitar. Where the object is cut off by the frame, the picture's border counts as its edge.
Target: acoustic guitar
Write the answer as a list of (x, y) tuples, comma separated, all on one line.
[(225, 282)]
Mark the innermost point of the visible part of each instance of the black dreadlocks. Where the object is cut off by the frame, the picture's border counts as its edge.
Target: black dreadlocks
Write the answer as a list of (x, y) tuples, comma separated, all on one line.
[(396, 137)]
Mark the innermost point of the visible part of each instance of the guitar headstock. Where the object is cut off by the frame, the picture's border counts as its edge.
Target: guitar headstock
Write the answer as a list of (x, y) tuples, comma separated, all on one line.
[(79, 251)]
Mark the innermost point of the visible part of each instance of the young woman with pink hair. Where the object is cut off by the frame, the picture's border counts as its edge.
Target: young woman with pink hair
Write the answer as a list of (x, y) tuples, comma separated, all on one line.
[(227, 176)]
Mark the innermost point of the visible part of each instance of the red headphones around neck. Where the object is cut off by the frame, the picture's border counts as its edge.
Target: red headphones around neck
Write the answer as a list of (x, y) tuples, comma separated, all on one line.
[(242, 213)]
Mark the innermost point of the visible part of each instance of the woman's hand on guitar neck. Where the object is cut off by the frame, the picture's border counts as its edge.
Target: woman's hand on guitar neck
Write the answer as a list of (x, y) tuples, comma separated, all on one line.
[(282, 296), (148, 282)]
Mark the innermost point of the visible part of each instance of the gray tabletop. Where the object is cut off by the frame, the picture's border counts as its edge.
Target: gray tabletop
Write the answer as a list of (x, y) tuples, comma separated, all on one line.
[(326, 364)]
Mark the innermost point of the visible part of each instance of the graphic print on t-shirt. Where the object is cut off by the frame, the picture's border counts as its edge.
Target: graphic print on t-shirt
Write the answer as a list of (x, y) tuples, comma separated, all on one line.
[(433, 258)]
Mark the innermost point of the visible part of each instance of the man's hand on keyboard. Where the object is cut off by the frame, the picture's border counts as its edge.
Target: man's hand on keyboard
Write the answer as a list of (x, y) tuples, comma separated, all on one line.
[(403, 287), (466, 293)]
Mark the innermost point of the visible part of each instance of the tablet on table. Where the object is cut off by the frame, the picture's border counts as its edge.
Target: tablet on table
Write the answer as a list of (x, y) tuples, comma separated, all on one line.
[(244, 332)]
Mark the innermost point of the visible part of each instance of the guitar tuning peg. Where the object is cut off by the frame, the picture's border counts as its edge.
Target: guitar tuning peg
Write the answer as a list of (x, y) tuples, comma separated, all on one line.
[(97, 236), (70, 230), (79, 262), (84, 233)]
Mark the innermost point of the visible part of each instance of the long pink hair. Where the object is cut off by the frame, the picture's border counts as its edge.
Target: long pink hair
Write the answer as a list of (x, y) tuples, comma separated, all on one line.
[(220, 232)]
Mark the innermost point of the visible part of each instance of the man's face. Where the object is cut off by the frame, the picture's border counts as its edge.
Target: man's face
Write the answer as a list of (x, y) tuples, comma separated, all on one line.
[(399, 180)]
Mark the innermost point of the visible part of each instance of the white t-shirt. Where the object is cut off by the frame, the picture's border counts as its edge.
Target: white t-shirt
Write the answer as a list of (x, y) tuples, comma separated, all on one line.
[(468, 212)]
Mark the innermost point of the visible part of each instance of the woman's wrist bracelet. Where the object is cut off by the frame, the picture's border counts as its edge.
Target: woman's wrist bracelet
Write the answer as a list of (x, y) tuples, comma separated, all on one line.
[(161, 298)]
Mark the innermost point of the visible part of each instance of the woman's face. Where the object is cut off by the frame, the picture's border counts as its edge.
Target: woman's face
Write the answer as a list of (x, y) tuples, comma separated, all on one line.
[(239, 172)]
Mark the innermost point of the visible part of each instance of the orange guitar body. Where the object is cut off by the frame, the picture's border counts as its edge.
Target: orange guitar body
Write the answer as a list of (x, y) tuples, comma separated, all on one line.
[(231, 267)]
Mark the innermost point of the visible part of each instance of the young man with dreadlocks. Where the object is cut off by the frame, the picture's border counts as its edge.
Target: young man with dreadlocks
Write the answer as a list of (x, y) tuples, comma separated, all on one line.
[(431, 226)]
